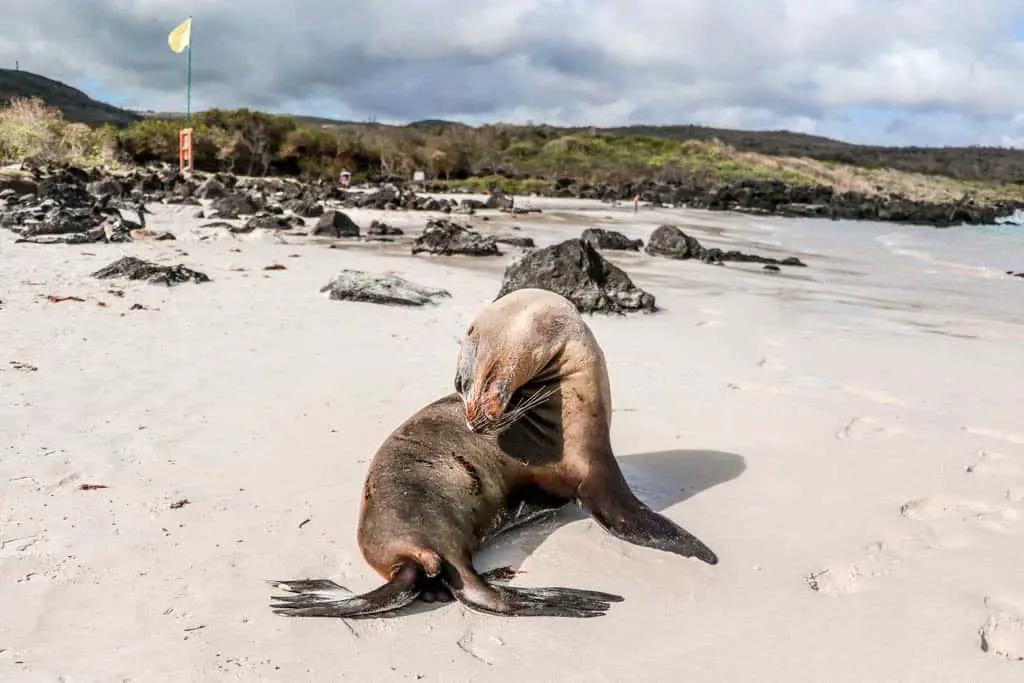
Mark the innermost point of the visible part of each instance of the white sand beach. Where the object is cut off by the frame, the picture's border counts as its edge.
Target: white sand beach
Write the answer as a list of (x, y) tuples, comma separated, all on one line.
[(848, 438)]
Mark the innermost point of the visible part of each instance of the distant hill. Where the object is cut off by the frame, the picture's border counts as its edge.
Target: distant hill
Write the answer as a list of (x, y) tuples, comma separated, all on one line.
[(75, 104), (965, 163)]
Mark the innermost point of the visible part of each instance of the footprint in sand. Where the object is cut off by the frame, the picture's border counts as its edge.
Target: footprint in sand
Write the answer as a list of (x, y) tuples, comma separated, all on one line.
[(996, 434), (760, 388), (993, 464), (876, 395), (484, 649), (977, 513), (1002, 634), (863, 427), (881, 559), (771, 364), (711, 319)]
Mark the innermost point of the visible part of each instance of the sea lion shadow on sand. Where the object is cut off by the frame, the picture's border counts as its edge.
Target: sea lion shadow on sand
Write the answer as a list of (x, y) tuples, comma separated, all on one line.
[(661, 479)]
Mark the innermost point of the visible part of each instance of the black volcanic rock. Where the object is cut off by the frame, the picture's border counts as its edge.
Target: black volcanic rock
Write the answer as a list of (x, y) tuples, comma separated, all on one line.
[(513, 241), (378, 228), (358, 285), (599, 238), (442, 236), (307, 208), (232, 206), (578, 272), (796, 200), (133, 268), (335, 224), (671, 242)]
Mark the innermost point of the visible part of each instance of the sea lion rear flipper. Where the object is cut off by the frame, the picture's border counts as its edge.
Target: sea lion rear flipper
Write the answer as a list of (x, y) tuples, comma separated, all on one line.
[(480, 596), (621, 514), (324, 598)]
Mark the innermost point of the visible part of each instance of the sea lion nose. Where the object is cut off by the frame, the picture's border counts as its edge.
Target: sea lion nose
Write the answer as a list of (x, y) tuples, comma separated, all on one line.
[(481, 413)]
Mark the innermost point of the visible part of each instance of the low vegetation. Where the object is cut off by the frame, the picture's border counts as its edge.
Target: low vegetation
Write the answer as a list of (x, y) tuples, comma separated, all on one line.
[(515, 158)]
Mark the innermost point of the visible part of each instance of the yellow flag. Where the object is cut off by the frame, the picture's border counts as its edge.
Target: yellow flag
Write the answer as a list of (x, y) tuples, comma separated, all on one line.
[(179, 38)]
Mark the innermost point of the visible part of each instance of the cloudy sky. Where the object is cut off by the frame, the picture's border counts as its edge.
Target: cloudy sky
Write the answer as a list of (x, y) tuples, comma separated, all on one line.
[(926, 72)]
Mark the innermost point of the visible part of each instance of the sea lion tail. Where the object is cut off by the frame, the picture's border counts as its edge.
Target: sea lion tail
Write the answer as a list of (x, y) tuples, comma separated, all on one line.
[(324, 598)]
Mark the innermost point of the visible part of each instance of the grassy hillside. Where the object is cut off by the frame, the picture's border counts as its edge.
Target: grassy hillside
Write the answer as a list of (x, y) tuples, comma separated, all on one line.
[(76, 106), (986, 164), (964, 163)]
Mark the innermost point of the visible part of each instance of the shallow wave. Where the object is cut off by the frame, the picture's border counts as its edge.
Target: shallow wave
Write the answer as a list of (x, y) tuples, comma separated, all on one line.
[(899, 244), (909, 246)]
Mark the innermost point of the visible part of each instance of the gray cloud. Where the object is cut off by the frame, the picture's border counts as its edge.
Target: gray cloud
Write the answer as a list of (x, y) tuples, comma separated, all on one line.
[(941, 71)]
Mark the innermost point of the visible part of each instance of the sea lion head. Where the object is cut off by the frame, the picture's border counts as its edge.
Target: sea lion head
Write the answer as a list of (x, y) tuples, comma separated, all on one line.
[(509, 357)]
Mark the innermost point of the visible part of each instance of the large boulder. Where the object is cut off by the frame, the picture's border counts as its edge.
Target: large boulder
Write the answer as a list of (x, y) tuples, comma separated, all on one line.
[(378, 228), (18, 184), (233, 205), (671, 242), (211, 188), (306, 208), (578, 272), (132, 268), (67, 189), (442, 236), (269, 221), (599, 238), (335, 224), (358, 285), (499, 200)]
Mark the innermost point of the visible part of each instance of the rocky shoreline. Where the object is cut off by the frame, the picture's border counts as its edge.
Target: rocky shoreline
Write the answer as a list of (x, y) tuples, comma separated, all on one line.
[(772, 197), (67, 205), (765, 197)]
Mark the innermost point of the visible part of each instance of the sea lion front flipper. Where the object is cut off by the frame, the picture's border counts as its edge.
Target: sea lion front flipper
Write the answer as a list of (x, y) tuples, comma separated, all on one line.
[(536, 507), (474, 592), (624, 516), (324, 598)]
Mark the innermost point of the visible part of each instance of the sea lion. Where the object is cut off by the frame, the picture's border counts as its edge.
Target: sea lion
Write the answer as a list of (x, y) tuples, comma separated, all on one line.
[(525, 433)]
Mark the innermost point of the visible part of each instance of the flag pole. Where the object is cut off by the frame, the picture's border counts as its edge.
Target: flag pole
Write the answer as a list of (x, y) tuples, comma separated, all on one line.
[(181, 39), (188, 78)]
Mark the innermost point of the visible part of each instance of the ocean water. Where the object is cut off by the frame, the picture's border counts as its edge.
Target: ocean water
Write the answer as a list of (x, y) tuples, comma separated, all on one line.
[(959, 270)]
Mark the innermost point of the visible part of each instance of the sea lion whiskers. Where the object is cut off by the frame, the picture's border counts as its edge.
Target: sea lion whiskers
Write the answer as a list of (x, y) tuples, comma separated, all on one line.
[(487, 395), (512, 416)]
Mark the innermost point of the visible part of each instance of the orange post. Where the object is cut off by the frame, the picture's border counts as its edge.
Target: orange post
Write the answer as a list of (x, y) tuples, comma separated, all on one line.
[(185, 149)]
